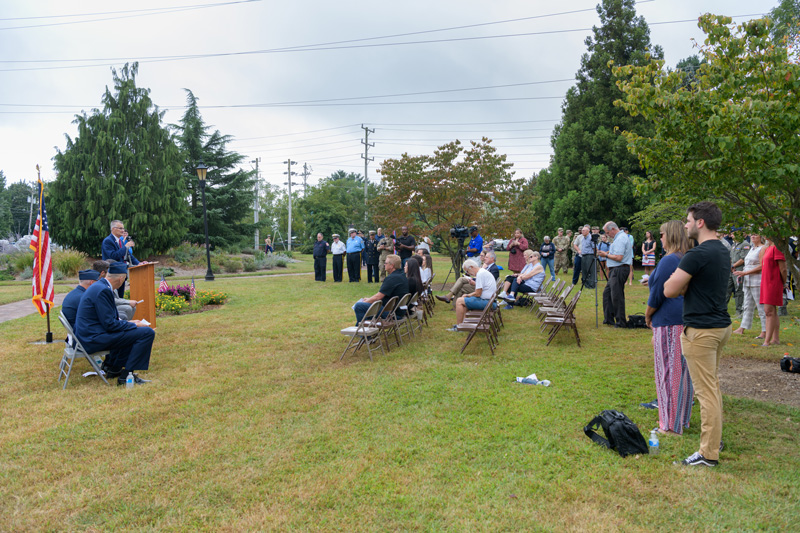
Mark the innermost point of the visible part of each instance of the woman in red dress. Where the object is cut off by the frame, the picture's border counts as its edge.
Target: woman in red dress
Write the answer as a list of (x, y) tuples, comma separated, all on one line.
[(773, 280)]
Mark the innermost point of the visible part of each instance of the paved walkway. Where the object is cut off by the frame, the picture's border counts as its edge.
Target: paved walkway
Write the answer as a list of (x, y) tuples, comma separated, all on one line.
[(25, 308)]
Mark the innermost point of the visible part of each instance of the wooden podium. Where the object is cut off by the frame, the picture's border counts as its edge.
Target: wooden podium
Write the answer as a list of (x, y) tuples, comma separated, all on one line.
[(142, 280)]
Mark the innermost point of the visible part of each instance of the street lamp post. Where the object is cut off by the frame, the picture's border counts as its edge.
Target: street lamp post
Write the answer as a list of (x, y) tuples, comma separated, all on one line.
[(201, 176)]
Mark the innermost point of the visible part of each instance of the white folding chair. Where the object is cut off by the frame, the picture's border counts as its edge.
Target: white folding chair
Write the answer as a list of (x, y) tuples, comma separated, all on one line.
[(366, 332), (70, 353)]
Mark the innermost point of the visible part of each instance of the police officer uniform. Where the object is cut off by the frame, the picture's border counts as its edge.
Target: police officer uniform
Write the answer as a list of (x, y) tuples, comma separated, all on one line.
[(371, 255)]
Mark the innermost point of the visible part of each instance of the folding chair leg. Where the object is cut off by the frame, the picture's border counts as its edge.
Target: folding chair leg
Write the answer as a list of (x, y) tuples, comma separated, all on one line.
[(469, 338), (348, 347)]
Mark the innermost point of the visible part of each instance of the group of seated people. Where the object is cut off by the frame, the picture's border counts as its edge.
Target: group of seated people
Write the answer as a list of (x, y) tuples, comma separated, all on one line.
[(400, 280), (102, 321)]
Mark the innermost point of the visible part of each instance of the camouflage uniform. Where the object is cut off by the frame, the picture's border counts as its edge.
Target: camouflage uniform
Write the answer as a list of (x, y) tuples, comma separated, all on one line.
[(562, 243), (738, 252), (386, 247)]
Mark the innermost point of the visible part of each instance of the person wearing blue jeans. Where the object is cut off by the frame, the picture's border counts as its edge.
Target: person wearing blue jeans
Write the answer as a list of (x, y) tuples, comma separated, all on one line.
[(395, 284), (548, 255)]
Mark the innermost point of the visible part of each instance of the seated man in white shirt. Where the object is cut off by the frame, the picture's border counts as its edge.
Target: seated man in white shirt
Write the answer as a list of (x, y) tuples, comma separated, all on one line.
[(485, 287)]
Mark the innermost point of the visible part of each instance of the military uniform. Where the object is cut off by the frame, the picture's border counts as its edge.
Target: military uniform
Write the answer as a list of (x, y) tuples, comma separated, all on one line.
[(562, 243), (738, 252), (386, 248), (371, 257)]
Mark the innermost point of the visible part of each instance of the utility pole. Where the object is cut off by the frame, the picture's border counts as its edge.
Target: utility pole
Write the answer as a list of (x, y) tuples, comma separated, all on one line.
[(289, 173), (256, 205), (366, 159), (306, 173)]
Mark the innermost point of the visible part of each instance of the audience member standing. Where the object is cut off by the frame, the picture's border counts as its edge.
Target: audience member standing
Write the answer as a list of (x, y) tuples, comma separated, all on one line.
[(620, 257), (773, 281), (355, 245), (576, 252), (561, 243), (321, 249), (751, 287), (702, 277), (385, 247), (648, 252), (588, 267), (547, 252), (338, 250), (516, 246), (372, 255), (630, 238), (406, 244), (665, 316), (738, 252)]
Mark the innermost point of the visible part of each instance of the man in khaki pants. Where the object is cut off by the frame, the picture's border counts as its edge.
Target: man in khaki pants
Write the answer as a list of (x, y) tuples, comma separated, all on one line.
[(702, 277)]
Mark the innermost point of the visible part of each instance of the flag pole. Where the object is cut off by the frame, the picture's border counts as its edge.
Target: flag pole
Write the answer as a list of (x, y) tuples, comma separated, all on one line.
[(48, 338)]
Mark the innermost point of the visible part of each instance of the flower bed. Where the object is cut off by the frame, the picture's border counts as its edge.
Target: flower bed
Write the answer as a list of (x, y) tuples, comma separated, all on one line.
[(172, 301)]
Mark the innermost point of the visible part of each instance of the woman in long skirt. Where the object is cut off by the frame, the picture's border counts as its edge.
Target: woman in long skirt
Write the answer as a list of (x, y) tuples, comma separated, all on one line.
[(665, 316)]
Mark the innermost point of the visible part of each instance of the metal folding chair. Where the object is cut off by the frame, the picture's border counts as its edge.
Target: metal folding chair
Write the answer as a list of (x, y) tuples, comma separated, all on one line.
[(77, 351), (366, 333)]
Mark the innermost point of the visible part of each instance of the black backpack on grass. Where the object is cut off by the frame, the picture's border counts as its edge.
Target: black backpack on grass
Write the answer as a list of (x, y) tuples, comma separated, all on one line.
[(621, 433), (790, 364)]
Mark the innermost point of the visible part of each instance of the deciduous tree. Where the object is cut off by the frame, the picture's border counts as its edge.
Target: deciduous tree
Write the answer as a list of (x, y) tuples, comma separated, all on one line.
[(454, 186), (731, 137)]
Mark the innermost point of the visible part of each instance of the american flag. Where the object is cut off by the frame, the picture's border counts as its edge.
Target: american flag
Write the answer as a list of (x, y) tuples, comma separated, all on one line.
[(192, 291), (43, 292), (163, 287)]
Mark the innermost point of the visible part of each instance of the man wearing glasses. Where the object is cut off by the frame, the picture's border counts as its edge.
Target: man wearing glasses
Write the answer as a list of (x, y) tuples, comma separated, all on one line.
[(118, 247)]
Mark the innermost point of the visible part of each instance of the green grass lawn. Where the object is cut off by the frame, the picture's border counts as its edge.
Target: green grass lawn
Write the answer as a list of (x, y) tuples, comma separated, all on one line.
[(252, 423)]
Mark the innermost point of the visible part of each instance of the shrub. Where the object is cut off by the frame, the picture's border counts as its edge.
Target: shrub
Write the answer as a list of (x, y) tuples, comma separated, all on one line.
[(305, 249), (210, 298), (232, 264), (166, 271), (249, 264), (287, 253), (26, 274), (58, 275), (172, 305), (7, 274), (69, 262), (187, 253), (249, 251), (259, 255), (21, 261)]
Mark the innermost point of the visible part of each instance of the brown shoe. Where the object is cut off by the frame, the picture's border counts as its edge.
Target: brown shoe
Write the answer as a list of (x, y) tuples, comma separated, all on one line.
[(445, 299)]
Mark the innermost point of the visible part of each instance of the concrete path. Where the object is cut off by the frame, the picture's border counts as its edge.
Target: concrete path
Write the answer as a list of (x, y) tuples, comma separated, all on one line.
[(25, 308)]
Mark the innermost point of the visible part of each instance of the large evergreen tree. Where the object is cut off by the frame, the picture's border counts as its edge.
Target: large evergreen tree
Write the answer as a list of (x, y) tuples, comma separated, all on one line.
[(589, 178), (122, 165), (230, 192), (5, 209), (17, 195)]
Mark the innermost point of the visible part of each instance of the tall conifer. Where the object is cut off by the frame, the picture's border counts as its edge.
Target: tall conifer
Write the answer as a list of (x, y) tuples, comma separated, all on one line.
[(123, 165)]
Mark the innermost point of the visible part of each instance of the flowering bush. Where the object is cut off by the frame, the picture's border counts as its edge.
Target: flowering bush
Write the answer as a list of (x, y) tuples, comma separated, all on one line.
[(178, 290), (210, 298), (170, 304)]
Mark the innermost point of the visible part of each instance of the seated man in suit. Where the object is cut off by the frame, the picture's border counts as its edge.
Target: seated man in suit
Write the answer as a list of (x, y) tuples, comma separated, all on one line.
[(99, 327), (125, 308), (70, 305), (117, 247)]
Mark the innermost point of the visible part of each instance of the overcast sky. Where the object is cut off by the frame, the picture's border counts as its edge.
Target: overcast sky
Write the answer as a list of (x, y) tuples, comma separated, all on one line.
[(55, 59)]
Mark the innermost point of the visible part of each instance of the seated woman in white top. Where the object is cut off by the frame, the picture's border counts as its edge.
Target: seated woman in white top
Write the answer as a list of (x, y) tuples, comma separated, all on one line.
[(529, 279)]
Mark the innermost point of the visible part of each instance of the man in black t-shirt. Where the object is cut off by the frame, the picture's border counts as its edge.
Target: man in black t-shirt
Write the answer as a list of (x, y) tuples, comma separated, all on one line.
[(395, 284), (702, 277), (405, 245)]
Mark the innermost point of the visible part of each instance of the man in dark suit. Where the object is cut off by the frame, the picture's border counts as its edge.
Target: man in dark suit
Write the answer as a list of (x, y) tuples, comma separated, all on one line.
[(116, 247), (99, 327), (70, 304)]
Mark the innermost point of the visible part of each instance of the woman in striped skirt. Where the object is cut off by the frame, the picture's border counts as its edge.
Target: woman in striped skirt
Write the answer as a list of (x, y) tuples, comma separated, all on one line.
[(665, 316)]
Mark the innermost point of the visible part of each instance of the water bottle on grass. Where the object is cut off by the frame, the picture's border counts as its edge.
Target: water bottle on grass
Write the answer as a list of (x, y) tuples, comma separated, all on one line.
[(129, 381), (653, 443)]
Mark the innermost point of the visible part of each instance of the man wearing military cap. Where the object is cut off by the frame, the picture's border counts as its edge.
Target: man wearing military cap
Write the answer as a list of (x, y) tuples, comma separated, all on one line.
[(338, 250), (386, 248), (70, 305), (371, 256), (561, 243), (355, 245), (99, 327)]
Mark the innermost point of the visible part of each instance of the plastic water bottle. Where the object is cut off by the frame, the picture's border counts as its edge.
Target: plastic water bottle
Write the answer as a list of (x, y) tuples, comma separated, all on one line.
[(531, 380), (653, 443), (129, 381)]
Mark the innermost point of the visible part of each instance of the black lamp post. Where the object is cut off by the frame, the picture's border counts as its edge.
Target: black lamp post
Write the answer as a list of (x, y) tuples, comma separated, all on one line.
[(201, 175)]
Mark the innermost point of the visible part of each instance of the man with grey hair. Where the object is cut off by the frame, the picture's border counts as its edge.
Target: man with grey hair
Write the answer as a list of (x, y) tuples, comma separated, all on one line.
[(485, 287), (489, 260), (588, 267), (619, 258), (126, 308)]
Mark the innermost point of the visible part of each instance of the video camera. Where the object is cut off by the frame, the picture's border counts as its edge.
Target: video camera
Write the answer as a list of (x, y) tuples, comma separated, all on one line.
[(459, 232)]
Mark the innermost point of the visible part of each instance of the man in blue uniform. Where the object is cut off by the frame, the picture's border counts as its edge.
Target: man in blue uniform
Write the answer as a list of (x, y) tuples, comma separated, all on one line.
[(355, 245), (99, 327), (371, 255), (475, 246), (70, 304), (116, 247)]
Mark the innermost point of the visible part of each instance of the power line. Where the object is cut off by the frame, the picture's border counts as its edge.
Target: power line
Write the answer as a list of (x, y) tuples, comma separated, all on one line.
[(130, 14)]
